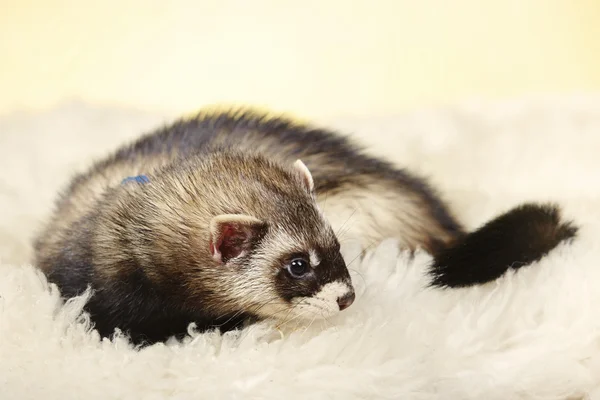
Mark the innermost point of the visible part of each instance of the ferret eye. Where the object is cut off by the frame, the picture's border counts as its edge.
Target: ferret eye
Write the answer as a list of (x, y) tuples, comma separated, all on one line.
[(298, 267)]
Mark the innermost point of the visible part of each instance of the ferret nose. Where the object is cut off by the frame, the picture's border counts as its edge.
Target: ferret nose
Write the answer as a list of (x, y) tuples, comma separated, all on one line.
[(346, 300)]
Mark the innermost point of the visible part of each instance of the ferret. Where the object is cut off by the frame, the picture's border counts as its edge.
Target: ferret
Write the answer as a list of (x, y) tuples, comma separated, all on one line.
[(227, 218)]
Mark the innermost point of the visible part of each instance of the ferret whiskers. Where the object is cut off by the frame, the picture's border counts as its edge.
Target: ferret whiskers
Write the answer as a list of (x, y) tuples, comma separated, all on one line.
[(338, 233)]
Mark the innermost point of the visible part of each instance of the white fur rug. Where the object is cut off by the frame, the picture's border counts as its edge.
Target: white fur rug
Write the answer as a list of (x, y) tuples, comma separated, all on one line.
[(531, 335)]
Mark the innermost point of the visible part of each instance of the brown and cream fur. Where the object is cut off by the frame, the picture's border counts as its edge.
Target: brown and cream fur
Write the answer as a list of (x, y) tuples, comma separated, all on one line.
[(209, 238), (369, 196)]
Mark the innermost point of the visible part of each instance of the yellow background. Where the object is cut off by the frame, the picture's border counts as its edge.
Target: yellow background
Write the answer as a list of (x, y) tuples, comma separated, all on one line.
[(314, 58)]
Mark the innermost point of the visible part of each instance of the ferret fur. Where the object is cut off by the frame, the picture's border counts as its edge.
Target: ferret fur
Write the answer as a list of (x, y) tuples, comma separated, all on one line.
[(143, 248)]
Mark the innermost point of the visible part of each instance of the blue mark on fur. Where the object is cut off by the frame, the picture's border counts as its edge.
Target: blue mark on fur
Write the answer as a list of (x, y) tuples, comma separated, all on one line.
[(138, 179)]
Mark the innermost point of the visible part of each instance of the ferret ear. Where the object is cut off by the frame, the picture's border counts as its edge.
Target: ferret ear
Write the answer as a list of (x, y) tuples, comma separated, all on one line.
[(305, 175), (232, 235)]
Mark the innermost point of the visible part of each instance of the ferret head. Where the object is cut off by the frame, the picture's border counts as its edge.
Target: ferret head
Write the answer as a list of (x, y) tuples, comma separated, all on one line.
[(281, 257), (227, 234)]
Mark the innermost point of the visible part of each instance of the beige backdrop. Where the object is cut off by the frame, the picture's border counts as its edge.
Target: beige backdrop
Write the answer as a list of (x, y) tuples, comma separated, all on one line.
[(314, 58)]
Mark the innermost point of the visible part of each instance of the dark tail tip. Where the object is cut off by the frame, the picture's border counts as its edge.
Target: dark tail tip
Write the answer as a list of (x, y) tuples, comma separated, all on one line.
[(515, 239)]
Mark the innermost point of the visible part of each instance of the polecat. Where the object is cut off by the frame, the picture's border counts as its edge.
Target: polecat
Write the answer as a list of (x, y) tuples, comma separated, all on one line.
[(215, 220)]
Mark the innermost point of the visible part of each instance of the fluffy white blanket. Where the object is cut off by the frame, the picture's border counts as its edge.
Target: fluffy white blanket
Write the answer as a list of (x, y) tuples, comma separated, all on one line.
[(533, 334)]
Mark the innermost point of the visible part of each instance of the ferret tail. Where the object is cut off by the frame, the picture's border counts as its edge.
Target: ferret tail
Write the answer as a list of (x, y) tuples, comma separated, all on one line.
[(513, 240)]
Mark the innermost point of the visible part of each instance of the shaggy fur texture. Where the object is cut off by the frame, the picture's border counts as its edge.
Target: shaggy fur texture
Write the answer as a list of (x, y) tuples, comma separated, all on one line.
[(532, 334)]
